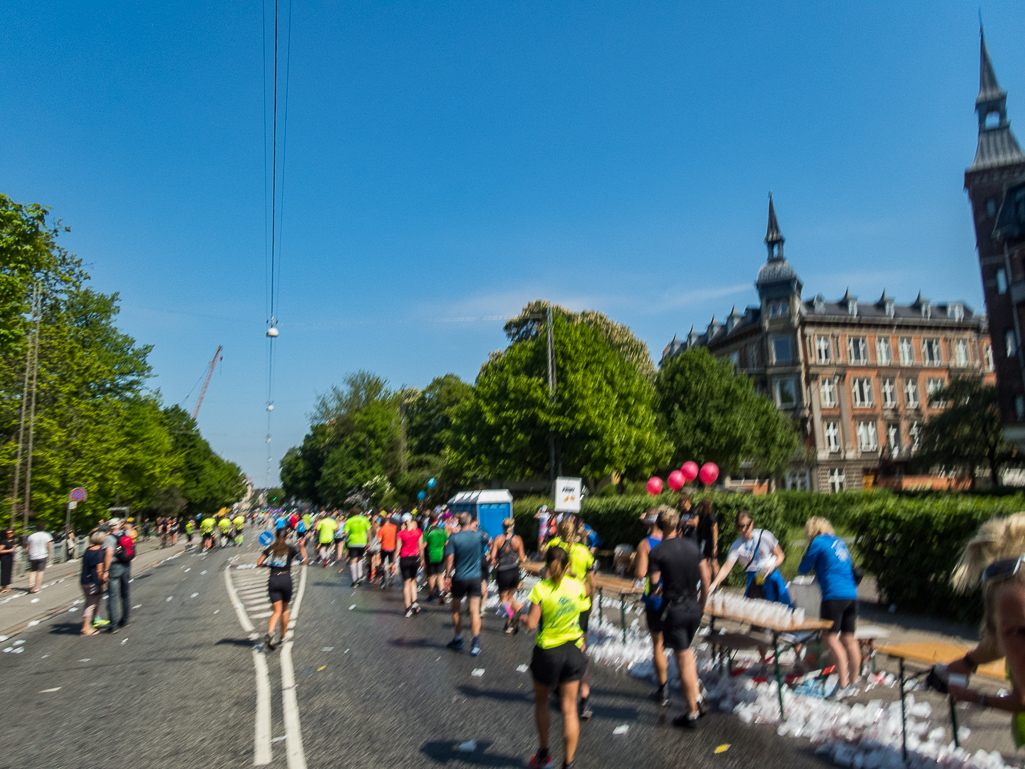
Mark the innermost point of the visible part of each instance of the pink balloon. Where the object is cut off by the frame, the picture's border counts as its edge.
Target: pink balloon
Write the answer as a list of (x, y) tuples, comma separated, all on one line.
[(690, 471), (654, 486), (676, 480), (709, 472)]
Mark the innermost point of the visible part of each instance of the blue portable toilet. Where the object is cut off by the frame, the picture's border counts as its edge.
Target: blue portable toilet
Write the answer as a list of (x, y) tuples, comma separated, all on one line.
[(490, 507)]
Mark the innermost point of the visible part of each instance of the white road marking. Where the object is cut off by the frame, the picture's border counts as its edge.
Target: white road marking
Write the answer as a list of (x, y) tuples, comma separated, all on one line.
[(263, 615), (262, 753), (294, 753)]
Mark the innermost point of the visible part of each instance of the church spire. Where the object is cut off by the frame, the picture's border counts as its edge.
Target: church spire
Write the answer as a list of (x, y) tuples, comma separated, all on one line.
[(773, 237), (997, 145)]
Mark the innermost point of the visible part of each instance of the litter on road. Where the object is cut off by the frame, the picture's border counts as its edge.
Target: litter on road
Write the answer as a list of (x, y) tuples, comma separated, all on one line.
[(522, 668), (468, 746), (50, 691), (621, 729), (478, 672), (722, 748)]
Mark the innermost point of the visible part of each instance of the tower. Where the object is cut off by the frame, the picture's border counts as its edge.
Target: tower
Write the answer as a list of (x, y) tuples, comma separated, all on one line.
[(995, 183), (777, 283)]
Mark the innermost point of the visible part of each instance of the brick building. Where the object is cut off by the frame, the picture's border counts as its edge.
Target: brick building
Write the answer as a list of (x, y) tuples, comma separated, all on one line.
[(855, 376), (996, 188)]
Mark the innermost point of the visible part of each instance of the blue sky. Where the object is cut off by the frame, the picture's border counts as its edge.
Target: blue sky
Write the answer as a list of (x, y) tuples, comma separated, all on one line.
[(446, 163)]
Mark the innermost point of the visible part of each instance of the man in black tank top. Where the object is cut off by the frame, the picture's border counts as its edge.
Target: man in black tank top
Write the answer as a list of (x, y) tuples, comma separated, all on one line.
[(676, 565)]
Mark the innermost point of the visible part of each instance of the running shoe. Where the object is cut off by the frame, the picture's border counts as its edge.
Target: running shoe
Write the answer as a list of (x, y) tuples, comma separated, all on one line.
[(584, 711), (475, 647), (541, 762), (409, 612), (661, 696), (100, 622), (456, 644), (416, 608), (268, 641), (687, 721)]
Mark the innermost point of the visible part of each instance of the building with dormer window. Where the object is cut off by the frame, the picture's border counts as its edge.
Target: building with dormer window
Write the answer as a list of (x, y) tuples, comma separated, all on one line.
[(855, 376)]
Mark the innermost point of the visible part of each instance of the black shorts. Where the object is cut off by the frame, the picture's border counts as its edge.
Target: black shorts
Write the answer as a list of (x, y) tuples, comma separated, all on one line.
[(433, 569), (843, 614), (36, 564), (558, 665), (279, 586), (189, 535), (585, 619), (485, 570), (356, 551), (466, 587), (507, 579), (654, 619), (387, 557), (409, 565), (679, 624)]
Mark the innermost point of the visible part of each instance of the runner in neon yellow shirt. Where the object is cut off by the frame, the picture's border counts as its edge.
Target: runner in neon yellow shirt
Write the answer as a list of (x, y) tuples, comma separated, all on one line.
[(325, 529), (356, 528), (206, 528)]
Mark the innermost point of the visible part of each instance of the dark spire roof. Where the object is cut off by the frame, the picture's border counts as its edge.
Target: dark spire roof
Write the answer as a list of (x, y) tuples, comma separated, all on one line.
[(997, 145), (772, 233), (884, 299)]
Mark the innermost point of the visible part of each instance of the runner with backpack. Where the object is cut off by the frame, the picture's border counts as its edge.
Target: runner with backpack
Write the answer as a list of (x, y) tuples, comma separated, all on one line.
[(120, 546)]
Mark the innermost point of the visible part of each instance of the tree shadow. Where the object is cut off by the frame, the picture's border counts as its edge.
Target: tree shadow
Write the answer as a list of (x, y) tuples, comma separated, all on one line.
[(447, 752)]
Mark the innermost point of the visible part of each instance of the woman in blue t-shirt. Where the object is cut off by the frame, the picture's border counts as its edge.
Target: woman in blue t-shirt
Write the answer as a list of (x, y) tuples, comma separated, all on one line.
[(829, 558)]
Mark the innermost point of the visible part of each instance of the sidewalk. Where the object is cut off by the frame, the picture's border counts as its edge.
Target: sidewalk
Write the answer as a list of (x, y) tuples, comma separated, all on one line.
[(61, 588)]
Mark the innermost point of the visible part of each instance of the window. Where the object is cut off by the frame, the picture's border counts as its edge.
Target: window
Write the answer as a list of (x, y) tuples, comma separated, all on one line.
[(932, 387), (857, 350), (956, 311), (781, 352), (961, 352), (833, 436), (1001, 281), (893, 440), (884, 353), (868, 440), (861, 389), (911, 394), (778, 309), (797, 480), (1019, 407), (889, 393), (735, 360), (837, 479), (786, 392), (752, 356), (989, 357), (932, 355), (828, 388), (823, 349), (915, 433), (907, 351), (1010, 344), (991, 207)]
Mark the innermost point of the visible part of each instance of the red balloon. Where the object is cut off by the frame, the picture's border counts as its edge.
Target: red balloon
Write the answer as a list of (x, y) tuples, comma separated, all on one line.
[(654, 486), (676, 480), (690, 471), (709, 472)]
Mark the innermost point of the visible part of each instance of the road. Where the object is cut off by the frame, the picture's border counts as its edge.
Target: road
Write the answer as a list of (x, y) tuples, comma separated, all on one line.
[(184, 685)]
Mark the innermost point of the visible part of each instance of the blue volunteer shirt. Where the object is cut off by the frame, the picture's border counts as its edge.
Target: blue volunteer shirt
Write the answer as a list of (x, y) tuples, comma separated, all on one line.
[(468, 549), (830, 559)]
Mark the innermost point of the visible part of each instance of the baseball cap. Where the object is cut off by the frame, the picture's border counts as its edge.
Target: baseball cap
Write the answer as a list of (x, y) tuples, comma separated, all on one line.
[(406, 517), (114, 522)]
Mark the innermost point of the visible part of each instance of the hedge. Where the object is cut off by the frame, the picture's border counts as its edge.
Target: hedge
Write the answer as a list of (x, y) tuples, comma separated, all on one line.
[(909, 541)]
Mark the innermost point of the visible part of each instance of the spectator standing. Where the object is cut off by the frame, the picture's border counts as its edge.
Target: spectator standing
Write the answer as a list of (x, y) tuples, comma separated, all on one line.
[(40, 550), (676, 566), (93, 580), (8, 546), (829, 558), (705, 527), (543, 517), (118, 568)]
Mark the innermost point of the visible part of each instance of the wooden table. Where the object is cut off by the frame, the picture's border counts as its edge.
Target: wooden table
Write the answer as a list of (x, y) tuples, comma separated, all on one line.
[(928, 654), (814, 626)]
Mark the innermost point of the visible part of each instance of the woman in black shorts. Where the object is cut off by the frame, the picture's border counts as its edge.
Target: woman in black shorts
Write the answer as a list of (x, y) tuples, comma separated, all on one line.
[(507, 554), (278, 557)]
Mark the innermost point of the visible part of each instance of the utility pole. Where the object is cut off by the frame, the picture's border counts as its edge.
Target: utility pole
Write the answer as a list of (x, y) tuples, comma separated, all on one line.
[(403, 456), (29, 367), (551, 393), (38, 312)]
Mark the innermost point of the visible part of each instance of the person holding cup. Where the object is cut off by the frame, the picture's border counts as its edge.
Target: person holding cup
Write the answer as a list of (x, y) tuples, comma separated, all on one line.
[(761, 555)]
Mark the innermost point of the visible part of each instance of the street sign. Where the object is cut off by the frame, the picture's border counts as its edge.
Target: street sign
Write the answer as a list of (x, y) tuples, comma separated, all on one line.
[(77, 495), (567, 495), (266, 538), (72, 504)]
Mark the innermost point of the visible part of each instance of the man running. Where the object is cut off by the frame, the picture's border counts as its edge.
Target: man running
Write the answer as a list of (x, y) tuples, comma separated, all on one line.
[(206, 528), (435, 540), (190, 529), (356, 529), (225, 526), (240, 523), (463, 554), (325, 528), (387, 534), (653, 605)]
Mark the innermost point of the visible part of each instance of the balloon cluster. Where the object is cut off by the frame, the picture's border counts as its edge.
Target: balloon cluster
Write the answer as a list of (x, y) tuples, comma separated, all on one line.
[(708, 473), (430, 484)]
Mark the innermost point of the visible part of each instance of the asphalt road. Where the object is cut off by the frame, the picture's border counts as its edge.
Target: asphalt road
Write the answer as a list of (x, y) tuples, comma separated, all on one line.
[(181, 687)]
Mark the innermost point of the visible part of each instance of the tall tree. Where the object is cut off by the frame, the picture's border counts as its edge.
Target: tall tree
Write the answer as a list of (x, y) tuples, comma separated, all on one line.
[(968, 433), (711, 414)]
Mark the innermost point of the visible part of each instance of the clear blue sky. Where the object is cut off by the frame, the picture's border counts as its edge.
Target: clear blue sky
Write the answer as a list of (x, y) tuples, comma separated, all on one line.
[(449, 162)]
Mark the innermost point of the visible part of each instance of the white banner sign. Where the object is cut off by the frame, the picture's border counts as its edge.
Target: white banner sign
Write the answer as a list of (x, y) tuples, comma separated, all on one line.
[(567, 495)]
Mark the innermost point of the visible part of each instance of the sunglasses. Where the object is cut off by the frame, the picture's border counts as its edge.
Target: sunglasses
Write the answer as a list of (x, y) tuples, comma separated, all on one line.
[(1002, 569)]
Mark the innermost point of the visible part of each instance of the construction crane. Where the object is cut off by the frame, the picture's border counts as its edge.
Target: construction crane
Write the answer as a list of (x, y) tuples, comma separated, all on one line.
[(206, 382)]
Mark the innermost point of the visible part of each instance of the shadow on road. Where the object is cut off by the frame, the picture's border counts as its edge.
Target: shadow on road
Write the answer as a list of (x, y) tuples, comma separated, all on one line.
[(65, 628), (415, 643), (447, 752), (235, 642), (524, 696)]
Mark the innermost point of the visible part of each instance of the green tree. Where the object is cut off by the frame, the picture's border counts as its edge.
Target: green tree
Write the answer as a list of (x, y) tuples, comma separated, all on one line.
[(711, 414), (601, 417), (968, 433)]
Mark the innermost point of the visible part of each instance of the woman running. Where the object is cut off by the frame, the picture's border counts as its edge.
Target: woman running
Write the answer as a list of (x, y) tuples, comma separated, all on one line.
[(507, 554), (558, 661), (411, 555), (374, 546), (278, 557)]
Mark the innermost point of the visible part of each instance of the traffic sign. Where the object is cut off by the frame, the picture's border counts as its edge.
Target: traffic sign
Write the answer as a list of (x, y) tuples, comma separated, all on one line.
[(77, 495), (266, 538)]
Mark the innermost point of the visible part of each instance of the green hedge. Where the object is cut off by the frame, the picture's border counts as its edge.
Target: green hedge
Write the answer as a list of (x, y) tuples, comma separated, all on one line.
[(909, 541)]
